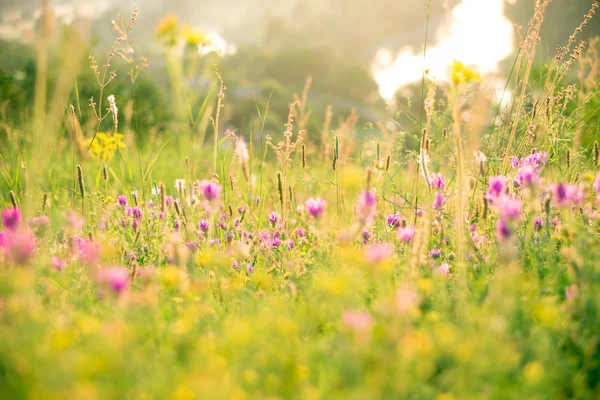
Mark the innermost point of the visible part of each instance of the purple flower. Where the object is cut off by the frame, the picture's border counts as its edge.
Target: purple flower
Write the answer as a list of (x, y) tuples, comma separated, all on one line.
[(437, 181), (274, 217), (211, 190), (538, 223), (509, 207), (394, 220), (502, 229), (439, 201), (11, 218), (116, 278), (435, 253), (250, 268), (300, 232), (291, 244), (203, 225), (495, 188), (315, 206), (169, 200), (134, 212), (406, 234), (366, 235), (122, 201), (565, 195)]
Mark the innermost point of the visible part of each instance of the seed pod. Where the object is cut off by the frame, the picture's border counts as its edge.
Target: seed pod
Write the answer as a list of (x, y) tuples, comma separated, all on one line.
[(303, 156), (596, 153), (13, 199), (280, 187), (80, 180), (387, 163), (105, 173), (45, 201)]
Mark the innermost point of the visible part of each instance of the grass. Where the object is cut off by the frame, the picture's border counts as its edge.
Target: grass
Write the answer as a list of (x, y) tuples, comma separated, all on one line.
[(306, 268)]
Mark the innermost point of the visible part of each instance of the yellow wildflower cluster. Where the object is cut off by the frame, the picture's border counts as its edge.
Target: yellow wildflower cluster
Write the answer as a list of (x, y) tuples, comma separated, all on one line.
[(168, 33), (460, 73), (104, 146)]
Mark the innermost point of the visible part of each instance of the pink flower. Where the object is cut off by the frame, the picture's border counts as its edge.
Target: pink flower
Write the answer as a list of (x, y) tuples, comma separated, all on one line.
[(443, 269), (116, 278), (566, 195), (19, 245), (357, 321), (496, 188), (379, 252), (315, 206), (211, 190), (406, 234), (274, 217), (11, 218), (89, 251), (58, 264), (439, 201), (437, 181), (367, 207)]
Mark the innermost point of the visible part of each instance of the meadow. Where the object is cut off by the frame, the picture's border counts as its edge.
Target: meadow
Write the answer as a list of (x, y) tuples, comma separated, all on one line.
[(445, 253)]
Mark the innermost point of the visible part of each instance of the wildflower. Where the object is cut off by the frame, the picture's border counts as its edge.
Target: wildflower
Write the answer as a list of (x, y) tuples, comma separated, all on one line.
[(89, 251), (435, 253), (203, 225), (134, 212), (538, 223), (300, 232), (235, 264), (495, 188), (502, 229), (394, 220), (565, 195), (116, 278), (510, 207), (40, 225), (194, 37), (11, 218), (443, 269), (357, 321), (437, 181), (19, 245), (122, 201), (439, 201), (211, 190), (291, 244), (274, 217), (366, 235), (169, 200), (315, 206), (377, 253), (406, 234), (58, 264), (367, 206), (250, 268)]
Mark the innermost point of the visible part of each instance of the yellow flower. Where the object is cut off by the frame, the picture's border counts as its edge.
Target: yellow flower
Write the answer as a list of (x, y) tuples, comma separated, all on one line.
[(460, 73), (104, 146), (167, 25), (194, 37)]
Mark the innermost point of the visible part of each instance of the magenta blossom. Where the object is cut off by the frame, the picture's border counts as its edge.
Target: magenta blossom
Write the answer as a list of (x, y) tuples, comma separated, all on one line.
[(437, 181), (567, 195), (439, 201), (406, 234), (89, 251), (394, 220), (315, 206), (11, 218), (274, 217), (116, 278), (496, 188), (597, 183), (19, 245), (211, 190)]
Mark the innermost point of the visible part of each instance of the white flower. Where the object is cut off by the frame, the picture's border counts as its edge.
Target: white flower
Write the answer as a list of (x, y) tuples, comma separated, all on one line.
[(113, 110)]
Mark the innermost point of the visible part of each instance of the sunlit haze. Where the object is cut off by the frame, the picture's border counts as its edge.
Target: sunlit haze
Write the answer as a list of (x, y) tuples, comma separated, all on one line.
[(478, 35)]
